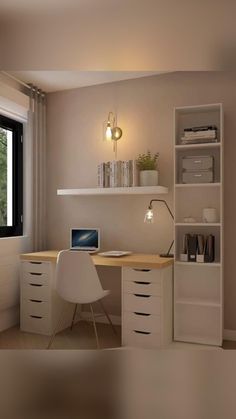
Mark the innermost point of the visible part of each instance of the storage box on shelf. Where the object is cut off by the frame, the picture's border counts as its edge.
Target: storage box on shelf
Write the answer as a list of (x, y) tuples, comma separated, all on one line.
[(198, 287), (198, 165)]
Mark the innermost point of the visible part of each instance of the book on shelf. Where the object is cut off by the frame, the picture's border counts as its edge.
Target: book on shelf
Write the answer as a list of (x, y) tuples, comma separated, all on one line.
[(200, 134), (101, 175), (201, 128), (107, 175), (126, 173), (198, 140), (117, 173)]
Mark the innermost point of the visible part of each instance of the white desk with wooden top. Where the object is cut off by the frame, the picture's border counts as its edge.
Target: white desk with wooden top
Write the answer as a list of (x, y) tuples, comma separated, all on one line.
[(146, 296)]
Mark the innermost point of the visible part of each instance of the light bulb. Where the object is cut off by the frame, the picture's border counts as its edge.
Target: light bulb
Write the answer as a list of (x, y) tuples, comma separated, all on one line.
[(149, 216), (108, 132)]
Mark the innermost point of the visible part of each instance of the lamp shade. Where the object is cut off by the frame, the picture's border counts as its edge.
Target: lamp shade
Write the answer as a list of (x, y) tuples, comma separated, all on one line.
[(108, 133), (149, 216)]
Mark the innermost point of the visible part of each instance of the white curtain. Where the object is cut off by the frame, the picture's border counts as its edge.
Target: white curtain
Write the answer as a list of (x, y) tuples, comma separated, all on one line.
[(37, 119)]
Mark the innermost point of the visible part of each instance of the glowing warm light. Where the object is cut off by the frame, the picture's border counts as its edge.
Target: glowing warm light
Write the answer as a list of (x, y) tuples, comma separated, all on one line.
[(108, 132), (149, 216)]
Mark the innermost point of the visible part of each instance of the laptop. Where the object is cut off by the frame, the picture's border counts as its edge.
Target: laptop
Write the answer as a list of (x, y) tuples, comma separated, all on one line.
[(85, 239)]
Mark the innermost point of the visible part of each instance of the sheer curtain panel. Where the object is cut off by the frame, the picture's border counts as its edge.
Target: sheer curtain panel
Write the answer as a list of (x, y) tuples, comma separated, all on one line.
[(37, 118)]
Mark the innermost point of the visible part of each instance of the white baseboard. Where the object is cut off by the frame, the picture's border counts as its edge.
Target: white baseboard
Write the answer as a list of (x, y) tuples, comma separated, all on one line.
[(102, 319), (229, 334)]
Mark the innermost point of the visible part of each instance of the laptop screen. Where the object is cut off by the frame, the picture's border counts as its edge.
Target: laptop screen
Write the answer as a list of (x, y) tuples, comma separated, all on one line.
[(84, 238)]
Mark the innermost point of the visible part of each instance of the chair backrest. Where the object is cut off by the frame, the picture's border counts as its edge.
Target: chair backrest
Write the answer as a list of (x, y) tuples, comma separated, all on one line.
[(77, 280)]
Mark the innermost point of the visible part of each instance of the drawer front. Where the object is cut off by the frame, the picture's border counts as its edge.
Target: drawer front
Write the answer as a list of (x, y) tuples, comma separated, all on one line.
[(142, 304), (143, 275), (35, 324), (142, 340), (142, 322), (35, 278), (35, 308), (142, 287), (198, 177), (197, 163), (35, 292), (34, 266)]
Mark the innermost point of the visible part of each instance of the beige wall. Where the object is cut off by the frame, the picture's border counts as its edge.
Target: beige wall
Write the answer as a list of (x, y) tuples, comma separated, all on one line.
[(145, 113)]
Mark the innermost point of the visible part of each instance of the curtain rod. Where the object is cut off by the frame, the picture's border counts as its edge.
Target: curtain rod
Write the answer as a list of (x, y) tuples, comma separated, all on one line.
[(22, 83)]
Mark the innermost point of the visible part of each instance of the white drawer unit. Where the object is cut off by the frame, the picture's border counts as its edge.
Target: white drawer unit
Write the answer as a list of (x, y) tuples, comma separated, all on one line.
[(147, 307), (36, 278), (142, 287), (36, 266), (37, 308), (138, 338), (142, 321), (142, 303), (35, 324), (35, 291), (40, 304), (141, 275)]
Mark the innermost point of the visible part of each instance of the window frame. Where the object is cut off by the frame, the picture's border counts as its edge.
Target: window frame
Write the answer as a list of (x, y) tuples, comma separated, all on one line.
[(17, 177)]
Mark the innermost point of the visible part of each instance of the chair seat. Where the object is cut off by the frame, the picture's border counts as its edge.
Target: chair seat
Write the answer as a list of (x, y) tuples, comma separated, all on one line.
[(77, 300)]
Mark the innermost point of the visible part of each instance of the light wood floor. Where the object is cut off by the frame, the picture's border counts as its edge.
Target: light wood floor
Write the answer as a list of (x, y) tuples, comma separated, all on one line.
[(81, 337)]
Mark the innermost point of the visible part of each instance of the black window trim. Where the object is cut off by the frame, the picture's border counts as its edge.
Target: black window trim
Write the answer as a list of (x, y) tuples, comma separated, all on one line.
[(17, 177)]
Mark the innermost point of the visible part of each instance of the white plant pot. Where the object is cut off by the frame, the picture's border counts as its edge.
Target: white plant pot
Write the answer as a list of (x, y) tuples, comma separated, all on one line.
[(148, 178)]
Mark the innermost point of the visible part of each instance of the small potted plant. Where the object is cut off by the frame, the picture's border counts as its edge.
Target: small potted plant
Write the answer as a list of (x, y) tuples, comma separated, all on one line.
[(147, 165)]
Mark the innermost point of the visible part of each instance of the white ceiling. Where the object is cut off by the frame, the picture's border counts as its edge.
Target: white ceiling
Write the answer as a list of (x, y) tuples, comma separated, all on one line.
[(52, 81)]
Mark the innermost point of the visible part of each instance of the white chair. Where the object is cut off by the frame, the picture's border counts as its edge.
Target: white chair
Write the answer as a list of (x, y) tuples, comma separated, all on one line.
[(77, 282)]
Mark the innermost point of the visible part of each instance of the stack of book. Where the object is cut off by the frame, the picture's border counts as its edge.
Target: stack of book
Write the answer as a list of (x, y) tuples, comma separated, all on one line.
[(117, 173), (203, 134)]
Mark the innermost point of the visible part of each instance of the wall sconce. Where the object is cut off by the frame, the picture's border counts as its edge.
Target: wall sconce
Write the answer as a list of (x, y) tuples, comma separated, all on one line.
[(112, 132)]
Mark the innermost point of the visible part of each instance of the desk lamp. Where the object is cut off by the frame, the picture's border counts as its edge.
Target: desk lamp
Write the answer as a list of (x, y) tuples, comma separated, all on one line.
[(149, 219)]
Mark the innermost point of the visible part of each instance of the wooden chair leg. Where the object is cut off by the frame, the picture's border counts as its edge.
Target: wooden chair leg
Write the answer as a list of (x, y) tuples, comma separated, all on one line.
[(108, 317), (94, 326), (72, 323)]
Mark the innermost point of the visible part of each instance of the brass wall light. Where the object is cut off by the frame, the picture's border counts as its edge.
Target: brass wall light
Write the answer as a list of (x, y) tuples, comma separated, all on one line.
[(112, 132)]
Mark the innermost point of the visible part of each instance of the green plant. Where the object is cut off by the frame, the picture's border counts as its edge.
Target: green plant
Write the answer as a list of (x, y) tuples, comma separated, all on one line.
[(147, 161)]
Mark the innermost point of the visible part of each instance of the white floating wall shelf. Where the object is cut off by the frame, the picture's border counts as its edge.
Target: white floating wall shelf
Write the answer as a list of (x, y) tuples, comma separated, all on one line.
[(135, 190)]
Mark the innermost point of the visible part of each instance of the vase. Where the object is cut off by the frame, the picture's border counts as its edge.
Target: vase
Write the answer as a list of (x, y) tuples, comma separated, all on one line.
[(148, 178)]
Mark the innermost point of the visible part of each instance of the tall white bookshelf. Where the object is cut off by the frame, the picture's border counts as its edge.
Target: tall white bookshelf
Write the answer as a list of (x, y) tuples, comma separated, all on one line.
[(198, 287)]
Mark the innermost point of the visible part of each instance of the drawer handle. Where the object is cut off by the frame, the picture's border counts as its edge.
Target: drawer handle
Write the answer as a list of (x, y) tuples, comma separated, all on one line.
[(141, 314), (36, 285), (36, 273), (141, 270), (198, 175), (197, 161), (36, 301), (141, 332), (142, 295), (36, 263), (36, 317), (142, 282)]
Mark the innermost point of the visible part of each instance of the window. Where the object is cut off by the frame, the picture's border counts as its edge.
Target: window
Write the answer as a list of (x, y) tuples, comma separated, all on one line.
[(11, 177)]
